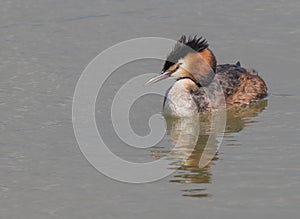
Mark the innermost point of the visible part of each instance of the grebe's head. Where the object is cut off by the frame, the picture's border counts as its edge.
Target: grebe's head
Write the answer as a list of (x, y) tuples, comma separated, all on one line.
[(190, 58)]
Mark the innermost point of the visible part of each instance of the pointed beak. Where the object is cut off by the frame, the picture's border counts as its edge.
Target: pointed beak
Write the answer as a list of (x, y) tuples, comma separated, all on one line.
[(159, 77)]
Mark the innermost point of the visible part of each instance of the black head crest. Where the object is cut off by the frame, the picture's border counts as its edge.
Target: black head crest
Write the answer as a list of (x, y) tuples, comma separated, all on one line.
[(184, 46)]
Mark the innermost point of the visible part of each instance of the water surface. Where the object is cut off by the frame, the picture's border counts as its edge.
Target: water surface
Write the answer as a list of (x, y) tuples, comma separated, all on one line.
[(44, 47)]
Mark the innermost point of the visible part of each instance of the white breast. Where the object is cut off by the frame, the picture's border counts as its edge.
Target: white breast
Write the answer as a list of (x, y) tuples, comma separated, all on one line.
[(179, 101)]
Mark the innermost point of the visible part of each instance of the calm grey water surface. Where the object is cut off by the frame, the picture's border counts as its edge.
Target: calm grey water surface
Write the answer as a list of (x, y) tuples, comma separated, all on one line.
[(44, 47)]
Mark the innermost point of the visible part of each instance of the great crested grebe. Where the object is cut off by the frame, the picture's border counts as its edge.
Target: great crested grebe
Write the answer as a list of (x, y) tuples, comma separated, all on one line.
[(195, 68)]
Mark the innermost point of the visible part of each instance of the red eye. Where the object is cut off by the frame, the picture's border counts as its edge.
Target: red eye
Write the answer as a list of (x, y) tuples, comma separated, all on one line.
[(178, 66)]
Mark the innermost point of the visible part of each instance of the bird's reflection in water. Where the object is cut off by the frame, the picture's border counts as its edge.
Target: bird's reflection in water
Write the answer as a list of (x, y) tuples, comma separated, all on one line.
[(195, 146)]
